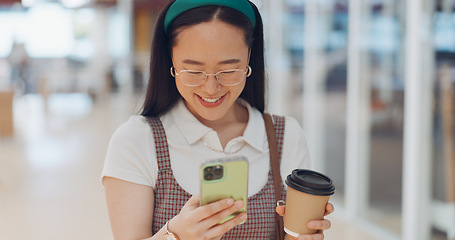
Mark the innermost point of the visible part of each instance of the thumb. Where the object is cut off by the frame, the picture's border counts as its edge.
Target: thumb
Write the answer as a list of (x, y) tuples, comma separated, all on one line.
[(280, 210)]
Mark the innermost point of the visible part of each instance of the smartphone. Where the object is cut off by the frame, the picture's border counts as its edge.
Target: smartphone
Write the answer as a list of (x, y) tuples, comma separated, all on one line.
[(225, 178)]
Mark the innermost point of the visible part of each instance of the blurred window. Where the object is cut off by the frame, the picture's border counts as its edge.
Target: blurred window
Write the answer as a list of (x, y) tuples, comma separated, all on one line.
[(46, 29)]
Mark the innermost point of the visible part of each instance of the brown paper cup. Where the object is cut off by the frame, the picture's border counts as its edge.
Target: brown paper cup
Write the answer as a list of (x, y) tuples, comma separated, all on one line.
[(307, 194), (301, 208)]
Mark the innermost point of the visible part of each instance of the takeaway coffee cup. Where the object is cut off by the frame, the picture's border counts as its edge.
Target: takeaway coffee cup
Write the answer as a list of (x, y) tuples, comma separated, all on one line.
[(307, 194)]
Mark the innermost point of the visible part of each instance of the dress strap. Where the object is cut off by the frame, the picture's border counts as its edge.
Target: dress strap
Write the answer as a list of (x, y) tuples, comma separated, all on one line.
[(278, 123), (161, 146)]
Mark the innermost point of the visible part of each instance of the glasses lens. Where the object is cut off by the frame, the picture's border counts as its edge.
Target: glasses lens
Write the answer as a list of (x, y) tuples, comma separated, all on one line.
[(192, 78), (226, 77), (230, 77)]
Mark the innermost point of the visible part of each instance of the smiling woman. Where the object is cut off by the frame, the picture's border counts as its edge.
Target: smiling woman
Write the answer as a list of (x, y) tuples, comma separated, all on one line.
[(205, 100), (194, 49)]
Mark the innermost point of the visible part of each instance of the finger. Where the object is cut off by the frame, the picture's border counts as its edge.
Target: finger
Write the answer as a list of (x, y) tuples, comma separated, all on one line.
[(213, 208), (218, 217), (186, 214), (329, 208), (319, 224), (317, 236), (193, 202), (289, 237), (280, 210), (221, 229)]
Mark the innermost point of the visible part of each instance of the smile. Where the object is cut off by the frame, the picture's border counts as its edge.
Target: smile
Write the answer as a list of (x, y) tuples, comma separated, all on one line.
[(210, 100)]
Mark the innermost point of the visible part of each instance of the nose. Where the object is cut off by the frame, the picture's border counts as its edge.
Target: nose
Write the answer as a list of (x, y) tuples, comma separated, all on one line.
[(211, 85)]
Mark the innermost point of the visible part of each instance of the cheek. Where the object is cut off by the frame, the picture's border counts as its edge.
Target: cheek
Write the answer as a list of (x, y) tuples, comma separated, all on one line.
[(187, 93), (239, 89), (242, 85), (181, 88)]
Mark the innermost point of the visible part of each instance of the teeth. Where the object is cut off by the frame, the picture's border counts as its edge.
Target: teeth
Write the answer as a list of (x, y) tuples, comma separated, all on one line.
[(211, 100)]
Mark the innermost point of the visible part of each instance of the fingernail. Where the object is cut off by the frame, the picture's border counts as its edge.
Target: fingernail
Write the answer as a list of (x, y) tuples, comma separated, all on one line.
[(239, 204), (230, 202), (243, 217), (312, 225)]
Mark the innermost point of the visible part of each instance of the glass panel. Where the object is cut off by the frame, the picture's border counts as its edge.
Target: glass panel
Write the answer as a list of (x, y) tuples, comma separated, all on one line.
[(384, 53), (444, 105), (386, 73), (332, 31), (335, 95), (385, 67)]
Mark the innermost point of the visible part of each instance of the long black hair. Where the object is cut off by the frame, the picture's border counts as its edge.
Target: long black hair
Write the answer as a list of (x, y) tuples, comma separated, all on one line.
[(162, 93)]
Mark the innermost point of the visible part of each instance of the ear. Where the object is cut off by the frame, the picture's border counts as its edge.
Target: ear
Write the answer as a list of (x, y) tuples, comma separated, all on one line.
[(249, 71)]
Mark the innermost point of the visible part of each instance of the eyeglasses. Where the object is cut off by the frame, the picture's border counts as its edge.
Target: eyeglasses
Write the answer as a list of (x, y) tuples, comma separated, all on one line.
[(193, 78)]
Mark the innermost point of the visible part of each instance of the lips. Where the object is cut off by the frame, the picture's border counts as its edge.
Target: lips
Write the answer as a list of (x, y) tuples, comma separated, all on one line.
[(211, 102)]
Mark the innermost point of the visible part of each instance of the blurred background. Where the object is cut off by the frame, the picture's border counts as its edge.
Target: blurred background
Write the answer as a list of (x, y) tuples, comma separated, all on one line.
[(371, 82)]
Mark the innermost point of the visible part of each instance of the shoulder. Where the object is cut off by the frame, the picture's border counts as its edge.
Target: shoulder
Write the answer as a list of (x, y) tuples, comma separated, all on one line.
[(291, 125), (295, 147), (133, 127), (293, 131), (130, 155), (134, 133)]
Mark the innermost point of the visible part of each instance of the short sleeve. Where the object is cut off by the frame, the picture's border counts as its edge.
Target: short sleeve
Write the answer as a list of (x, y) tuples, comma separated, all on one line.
[(295, 148), (130, 155)]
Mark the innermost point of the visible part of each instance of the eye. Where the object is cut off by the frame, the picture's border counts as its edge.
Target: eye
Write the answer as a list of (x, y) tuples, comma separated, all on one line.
[(195, 73), (228, 72)]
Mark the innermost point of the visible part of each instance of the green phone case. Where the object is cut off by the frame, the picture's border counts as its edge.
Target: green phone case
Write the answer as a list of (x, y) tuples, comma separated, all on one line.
[(232, 184)]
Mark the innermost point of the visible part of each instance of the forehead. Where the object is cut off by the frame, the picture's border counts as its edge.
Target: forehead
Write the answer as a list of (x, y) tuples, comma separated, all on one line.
[(213, 39)]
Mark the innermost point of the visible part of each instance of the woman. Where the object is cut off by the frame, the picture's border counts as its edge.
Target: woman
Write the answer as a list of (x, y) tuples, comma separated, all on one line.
[(205, 100)]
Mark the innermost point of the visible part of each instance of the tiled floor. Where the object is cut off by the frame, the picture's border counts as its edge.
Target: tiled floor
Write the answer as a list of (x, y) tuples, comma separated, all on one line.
[(49, 170)]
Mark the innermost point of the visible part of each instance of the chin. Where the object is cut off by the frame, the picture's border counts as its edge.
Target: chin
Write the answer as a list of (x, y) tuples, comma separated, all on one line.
[(211, 116)]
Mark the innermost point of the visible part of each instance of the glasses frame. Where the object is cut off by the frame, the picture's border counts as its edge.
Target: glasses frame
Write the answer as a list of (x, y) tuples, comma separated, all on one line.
[(247, 73)]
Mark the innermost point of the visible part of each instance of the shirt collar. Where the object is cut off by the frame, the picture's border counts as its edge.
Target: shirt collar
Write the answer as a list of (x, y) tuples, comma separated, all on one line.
[(193, 130), (254, 133), (189, 126)]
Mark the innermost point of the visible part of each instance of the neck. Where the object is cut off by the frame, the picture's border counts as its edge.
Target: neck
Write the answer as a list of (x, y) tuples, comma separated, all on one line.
[(239, 114), (231, 126)]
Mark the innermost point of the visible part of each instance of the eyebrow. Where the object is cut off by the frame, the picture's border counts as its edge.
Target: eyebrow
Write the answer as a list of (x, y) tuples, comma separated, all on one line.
[(194, 62)]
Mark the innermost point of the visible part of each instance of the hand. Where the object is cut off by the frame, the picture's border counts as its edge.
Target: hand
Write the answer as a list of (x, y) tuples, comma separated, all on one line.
[(319, 225), (201, 222)]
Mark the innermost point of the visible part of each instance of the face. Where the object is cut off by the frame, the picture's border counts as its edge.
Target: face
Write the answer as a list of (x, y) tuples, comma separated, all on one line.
[(210, 47)]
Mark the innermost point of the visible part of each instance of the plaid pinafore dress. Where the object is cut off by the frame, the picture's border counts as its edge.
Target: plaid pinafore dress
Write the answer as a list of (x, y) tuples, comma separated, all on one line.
[(170, 196)]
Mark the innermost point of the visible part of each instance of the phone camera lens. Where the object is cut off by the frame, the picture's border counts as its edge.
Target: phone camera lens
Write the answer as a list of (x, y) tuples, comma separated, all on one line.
[(208, 169), (218, 172), (208, 176), (213, 172)]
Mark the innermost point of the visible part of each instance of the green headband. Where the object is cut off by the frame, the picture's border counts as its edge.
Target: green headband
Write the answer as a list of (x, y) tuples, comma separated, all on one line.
[(180, 6)]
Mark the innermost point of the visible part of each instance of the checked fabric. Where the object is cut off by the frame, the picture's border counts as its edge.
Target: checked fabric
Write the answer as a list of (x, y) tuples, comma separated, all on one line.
[(170, 196)]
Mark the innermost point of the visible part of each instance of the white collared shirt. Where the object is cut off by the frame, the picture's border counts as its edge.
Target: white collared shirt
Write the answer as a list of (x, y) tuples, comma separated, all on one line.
[(131, 154)]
